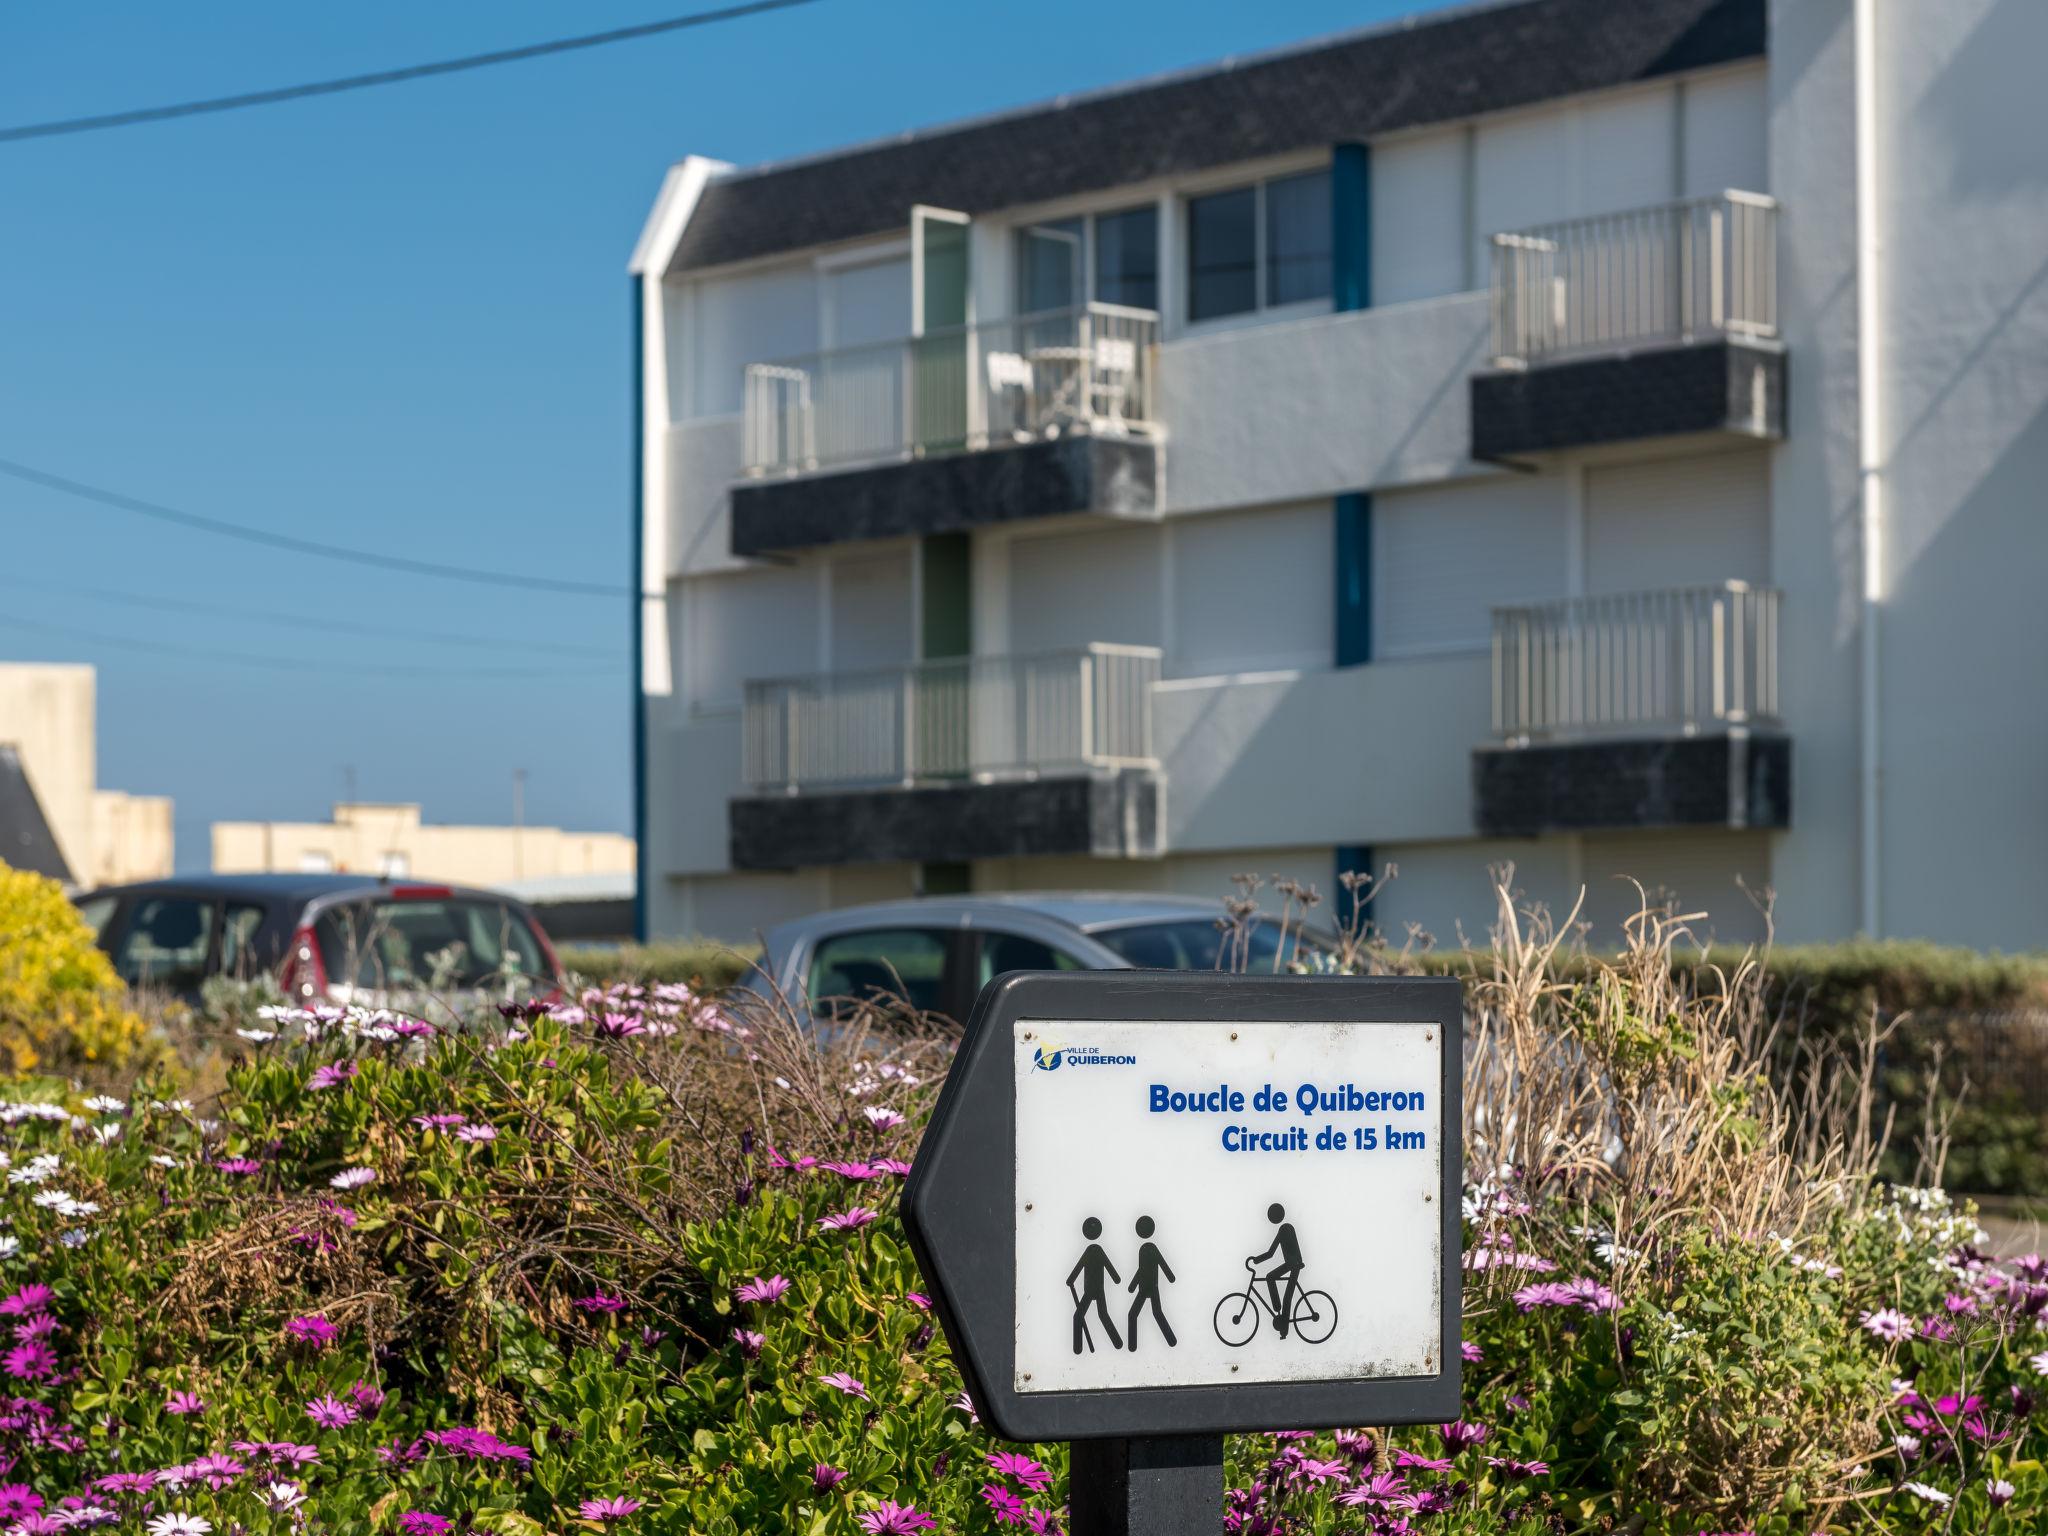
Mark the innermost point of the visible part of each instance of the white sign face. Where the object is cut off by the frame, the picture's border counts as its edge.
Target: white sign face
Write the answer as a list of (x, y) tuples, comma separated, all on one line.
[(1214, 1204)]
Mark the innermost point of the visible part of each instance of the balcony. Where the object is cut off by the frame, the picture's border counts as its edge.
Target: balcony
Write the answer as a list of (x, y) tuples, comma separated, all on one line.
[(1643, 709), (967, 758), (1656, 322), (1033, 416)]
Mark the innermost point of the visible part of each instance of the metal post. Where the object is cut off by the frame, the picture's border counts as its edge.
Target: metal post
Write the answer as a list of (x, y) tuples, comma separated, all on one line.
[(1168, 1486)]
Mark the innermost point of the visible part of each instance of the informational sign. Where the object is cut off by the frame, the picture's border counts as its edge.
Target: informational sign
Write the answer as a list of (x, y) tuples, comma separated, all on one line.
[(1167, 1204), (1209, 1204)]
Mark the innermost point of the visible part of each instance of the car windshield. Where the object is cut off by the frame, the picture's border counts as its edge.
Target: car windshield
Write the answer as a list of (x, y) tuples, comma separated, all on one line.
[(440, 943), (1199, 944)]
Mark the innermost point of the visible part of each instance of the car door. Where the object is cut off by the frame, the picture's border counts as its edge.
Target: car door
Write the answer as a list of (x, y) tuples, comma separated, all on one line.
[(998, 951), (917, 963), (168, 941)]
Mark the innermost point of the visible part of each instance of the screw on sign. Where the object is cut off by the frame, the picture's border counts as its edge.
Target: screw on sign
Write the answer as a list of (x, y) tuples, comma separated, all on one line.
[(1118, 1155)]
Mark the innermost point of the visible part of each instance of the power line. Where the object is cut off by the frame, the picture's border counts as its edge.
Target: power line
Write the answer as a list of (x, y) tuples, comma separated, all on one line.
[(322, 619), (391, 76), (275, 663), (300, 546)]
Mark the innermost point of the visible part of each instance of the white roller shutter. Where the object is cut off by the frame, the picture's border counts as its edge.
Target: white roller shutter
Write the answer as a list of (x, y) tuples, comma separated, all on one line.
[(1679, 522), (1445, 557)]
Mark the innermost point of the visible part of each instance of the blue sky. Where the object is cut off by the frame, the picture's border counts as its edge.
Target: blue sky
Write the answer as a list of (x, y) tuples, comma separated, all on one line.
[(397, 319)]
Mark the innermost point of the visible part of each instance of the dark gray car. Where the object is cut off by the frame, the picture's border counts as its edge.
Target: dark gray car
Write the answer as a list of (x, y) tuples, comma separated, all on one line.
[(937, 952)]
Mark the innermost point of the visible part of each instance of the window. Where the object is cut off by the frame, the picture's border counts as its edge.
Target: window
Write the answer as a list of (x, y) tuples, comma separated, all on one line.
[(238, 927), (1223, 254), (167, 942), (1298, 238), (1259, 247), (448, 942), (1001, 952), (1110, 257), (879, 963), (94, 913), (1200, 944), (1127, 258)]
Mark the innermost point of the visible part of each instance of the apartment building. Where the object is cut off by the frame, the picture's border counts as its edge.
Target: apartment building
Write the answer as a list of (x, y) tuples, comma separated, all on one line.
[(1597, 435)]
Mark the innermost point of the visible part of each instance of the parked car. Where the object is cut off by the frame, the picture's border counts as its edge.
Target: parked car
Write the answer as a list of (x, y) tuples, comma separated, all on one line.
[(936, 952), (325, 938)]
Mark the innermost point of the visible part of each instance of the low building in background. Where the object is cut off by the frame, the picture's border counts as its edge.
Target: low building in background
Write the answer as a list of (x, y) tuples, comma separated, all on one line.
[(392, 840), (54, 817)]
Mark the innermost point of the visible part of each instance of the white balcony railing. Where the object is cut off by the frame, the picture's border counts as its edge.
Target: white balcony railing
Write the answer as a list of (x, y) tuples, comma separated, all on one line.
[(966, 387), (969, 717), (1677, 272), (1686, 660)]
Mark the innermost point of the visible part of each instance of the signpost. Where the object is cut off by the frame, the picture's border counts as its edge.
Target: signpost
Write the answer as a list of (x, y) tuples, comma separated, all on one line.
[(1153, 1207)]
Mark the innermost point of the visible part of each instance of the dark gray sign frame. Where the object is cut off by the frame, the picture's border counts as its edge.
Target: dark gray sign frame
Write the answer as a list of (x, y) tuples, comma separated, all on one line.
[(959, 1203)]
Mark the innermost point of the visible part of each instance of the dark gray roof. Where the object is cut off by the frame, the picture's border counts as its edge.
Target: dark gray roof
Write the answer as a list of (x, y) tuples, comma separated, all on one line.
[(26, 841), (1430, 70)]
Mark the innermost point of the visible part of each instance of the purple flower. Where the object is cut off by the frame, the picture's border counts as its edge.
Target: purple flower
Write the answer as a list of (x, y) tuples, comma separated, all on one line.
[(33, 1361), (478, 1445), (1027, 1472), (1517, 1470), (895, 1165), (607, 1509), (477, 1133), (332, 1075), (825, 1477), (240, 1167), (313, 1330), (400, 1454), (600, 1301), (847, 1221), (919, 1300), (17, 1500), (445, 1121), (1461, 1436), (41, 1326), (768, 1288), (419, 1522), (852, 1386), (889, 1518), (182, 1403), (751, 1343), (1007, 1508), (368, 1398), (858, 1172), (27, 1301), (215, 1470), (1887, 1323), (331, 1412), (1471, 1352), (619, 1026)]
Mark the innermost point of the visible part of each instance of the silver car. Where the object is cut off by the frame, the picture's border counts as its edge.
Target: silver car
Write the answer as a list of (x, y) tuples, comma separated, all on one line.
[(937, 952)]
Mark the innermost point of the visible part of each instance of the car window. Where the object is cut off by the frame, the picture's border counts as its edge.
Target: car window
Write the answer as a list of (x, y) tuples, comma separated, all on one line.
[(445, 942), (874, 963), (167, 942), (1198, 944), (94, 913), (239, 924), (1002, 952)]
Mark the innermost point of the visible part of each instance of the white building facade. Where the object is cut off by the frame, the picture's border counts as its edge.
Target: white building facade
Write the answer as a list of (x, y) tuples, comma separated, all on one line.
[(1603, 437)]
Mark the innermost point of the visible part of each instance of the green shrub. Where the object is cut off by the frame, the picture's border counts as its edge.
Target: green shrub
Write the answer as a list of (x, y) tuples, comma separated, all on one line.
[(702, 963)]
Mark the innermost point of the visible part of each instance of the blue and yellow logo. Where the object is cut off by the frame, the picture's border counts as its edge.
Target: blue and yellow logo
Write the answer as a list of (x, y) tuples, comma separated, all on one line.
[(1046, 1060)]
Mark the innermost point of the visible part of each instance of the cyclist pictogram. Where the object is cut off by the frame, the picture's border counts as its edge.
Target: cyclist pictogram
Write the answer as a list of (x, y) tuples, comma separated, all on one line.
[(1310, 1315)]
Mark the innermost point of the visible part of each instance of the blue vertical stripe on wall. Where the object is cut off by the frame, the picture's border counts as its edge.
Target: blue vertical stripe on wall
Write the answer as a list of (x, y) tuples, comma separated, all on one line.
[(1351, 227), (1353, 513), (641, 876)]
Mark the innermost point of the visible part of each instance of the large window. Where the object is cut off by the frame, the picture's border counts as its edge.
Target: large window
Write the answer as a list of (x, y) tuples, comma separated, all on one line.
[(1110, 257), (1259, 247)]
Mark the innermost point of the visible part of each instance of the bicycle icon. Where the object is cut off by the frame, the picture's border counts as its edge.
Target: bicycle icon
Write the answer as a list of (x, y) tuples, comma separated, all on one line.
[(1310, 1315), (1313, 1317)]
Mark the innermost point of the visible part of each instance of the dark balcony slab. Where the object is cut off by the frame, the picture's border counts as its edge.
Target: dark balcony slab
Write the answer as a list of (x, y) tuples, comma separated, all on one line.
[(948, 493), (1740, 779), (1104, 815), (1726, 386)]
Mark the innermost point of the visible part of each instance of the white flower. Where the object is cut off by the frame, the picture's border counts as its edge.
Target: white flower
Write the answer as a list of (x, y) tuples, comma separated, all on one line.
[(74, 1238), (175, 1106), (1908, 1445), (1888, 1323), (9, 1247), (104, 1104), (163, 1159), (1930, 1494), (2039, 1363), (353, 1178), (35, 1170), (109, 1131), (257, 1036), (283, 1496), (86, 1514), (48, 1199), (180, 1525)]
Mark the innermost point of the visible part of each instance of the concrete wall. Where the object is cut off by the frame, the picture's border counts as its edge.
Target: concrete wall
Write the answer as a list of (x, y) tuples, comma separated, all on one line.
[(46, 712), (1963, 296), (378, 839), (131, 838)]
